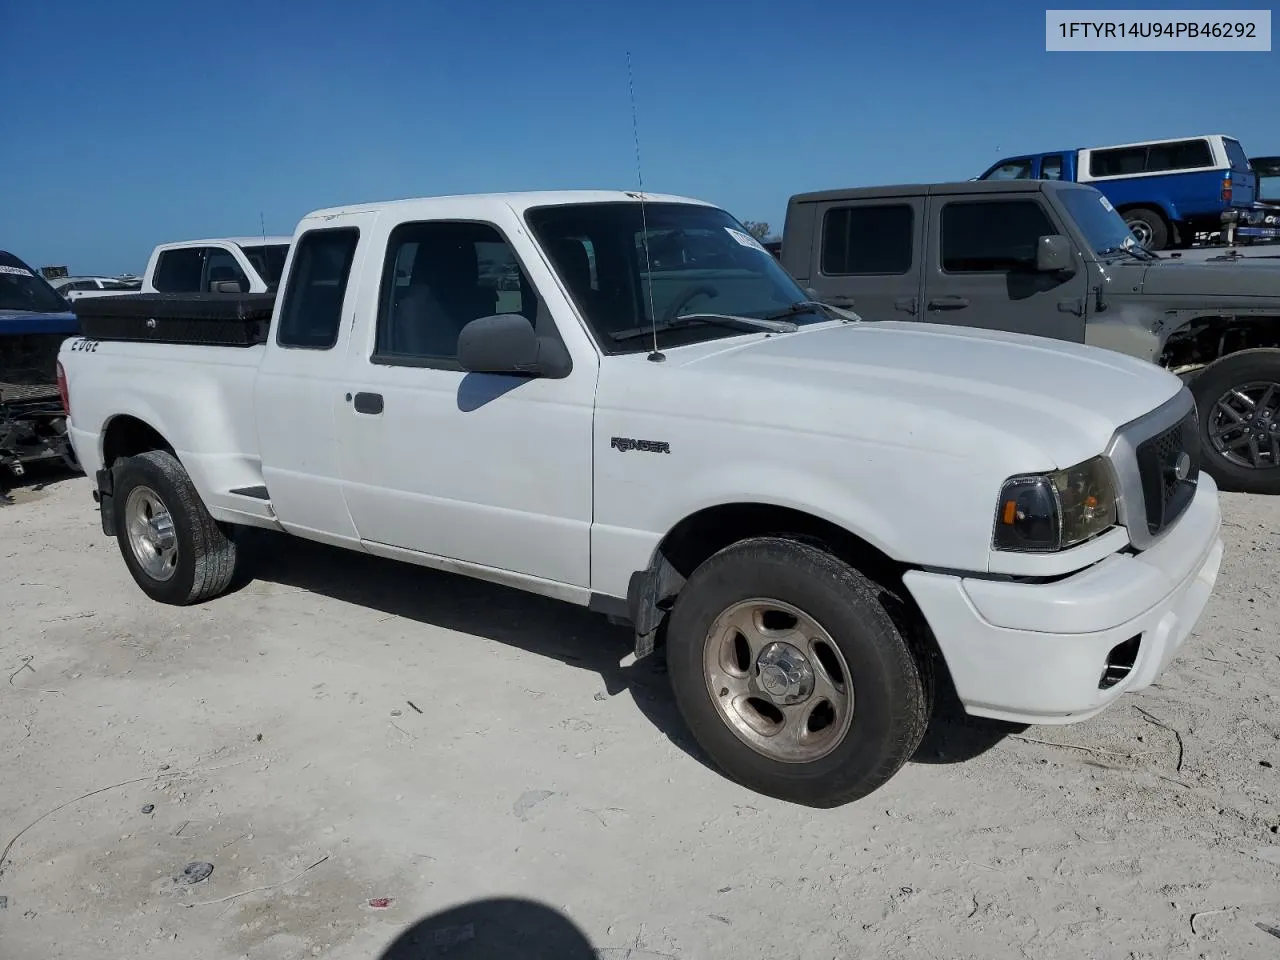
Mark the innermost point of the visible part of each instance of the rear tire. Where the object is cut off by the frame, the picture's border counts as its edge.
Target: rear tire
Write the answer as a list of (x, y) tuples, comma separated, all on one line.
[(773, 721), (1228, 423), (176, 552), (1148, 226)]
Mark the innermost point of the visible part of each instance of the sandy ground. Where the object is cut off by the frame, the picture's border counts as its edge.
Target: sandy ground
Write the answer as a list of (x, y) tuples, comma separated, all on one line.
[(344, 729)]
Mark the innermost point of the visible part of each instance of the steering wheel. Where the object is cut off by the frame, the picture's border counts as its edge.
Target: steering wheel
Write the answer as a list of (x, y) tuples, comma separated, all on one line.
[(685, 295)]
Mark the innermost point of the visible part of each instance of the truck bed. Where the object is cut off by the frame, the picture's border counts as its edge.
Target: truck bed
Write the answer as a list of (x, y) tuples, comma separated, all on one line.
[(209, 319)]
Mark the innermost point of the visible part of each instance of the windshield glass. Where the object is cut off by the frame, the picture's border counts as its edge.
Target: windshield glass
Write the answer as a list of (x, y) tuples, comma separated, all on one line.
[(1103, 228), (23, 289), (268, 260), (700, 261)]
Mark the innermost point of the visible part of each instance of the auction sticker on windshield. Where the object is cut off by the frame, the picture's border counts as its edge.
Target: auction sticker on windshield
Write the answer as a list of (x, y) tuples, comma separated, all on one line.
[(1106, 204), (745, 239)]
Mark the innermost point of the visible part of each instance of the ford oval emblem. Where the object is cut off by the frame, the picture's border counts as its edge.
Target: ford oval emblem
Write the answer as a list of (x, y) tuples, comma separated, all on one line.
[(1182, 466)]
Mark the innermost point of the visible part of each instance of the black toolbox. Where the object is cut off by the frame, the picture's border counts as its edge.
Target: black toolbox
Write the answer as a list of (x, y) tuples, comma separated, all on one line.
[(222, 319)]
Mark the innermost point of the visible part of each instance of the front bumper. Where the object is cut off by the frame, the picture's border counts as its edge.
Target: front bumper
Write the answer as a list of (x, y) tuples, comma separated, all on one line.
[(1037, 653)]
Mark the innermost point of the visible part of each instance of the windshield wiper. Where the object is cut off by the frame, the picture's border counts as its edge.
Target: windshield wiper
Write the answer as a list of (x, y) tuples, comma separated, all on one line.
[(769, 325), (1131, 250), (807, 306)]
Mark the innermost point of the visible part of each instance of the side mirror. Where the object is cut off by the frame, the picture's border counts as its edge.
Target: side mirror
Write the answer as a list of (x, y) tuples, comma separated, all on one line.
[(1053, 255), (507, 343), (225, 286)]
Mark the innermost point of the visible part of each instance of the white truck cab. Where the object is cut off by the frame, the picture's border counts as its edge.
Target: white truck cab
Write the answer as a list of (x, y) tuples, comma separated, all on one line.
[(624, 402)]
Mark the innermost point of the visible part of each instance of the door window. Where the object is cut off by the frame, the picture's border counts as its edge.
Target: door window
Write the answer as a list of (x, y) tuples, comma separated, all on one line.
[(180, 271), (870, 239), (1051, 168), (991, 236), (439, 276)]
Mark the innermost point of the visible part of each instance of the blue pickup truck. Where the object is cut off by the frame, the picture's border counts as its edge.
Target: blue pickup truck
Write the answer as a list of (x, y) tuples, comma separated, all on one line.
[(1167, 190)]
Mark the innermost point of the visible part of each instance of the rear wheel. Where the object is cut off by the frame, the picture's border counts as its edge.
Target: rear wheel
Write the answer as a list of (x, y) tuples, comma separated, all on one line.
[(1148, 227), (1238, 398), (793, 676), (175, 550)]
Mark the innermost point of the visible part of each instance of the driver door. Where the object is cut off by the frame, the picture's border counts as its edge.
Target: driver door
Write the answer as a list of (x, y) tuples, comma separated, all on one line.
[(491, 470)]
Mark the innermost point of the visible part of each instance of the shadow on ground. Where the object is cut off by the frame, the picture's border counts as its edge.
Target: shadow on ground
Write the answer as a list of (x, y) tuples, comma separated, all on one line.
[(548, 628), (495, 929)]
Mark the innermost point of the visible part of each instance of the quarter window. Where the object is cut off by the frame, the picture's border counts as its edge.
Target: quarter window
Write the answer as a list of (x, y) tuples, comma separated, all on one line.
[(311, 312)]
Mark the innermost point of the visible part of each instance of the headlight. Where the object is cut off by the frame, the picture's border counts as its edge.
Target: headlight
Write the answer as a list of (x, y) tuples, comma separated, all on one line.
[(1044, 512)]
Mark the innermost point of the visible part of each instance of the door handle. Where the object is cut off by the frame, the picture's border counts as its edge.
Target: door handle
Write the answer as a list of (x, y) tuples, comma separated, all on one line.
[(907, 304), (370, 403), (948, 303)]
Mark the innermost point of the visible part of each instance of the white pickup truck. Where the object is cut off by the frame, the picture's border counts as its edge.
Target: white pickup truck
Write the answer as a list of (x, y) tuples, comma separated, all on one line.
[(220, 265), (624, 402)]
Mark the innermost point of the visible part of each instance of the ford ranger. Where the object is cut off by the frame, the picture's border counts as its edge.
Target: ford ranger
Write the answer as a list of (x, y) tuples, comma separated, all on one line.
[(1056, 260), (624, 402)]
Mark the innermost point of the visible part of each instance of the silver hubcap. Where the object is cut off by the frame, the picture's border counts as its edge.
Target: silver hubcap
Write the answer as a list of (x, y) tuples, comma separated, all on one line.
[(151, 535), (778, 680), (1142, 231), (1244, 425)]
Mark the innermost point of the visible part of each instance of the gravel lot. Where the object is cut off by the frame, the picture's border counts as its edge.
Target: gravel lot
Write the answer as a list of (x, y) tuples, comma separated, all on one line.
[(441, 741)]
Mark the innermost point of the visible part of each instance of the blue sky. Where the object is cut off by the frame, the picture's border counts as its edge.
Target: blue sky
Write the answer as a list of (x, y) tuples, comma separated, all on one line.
[(138, 122)]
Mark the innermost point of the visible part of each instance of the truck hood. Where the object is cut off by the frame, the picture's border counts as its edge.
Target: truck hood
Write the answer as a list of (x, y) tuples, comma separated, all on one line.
[(1245, 277), (911, 379)]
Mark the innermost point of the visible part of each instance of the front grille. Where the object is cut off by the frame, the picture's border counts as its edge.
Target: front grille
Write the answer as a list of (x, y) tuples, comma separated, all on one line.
[(1165, 493)]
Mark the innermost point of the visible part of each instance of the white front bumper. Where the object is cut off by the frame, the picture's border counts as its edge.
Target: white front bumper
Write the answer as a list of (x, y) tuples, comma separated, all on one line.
[(1035, 653)]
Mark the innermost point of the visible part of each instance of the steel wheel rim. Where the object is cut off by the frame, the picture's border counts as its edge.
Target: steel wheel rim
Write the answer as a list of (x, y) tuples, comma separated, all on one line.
[(1142, 231), (152, 538), (1244, 425), (778, 680)]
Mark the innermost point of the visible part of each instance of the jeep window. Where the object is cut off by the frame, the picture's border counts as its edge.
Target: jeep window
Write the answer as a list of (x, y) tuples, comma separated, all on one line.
[(875, 239), (23, 289), (1013, 170), (991, 236), (1104, 230), (698, 260)]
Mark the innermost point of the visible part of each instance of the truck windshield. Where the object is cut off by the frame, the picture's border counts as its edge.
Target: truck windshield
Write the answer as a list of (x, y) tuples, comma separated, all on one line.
[(1104, 230), (23, 289), (698, 262), (268, 260)]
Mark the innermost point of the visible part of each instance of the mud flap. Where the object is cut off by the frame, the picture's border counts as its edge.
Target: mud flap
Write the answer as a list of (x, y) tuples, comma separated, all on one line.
[(104, 494), (650, 594)]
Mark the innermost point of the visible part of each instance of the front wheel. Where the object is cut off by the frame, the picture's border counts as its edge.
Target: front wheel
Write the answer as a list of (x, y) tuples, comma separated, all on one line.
[(1238, 398), (793, 676), (175, 550)]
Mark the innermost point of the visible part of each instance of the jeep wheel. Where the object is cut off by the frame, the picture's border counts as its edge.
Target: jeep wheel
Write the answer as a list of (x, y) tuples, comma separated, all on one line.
[(176, 552), (1238, 398), (792, 675)]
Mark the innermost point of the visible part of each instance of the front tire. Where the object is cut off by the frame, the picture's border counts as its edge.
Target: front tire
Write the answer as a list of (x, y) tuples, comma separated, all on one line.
[(176, 552), (1238, 399), (793, 676)]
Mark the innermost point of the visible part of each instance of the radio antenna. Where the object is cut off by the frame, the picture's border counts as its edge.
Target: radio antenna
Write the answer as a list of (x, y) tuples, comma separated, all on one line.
[(655, 356), (262, 225)]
